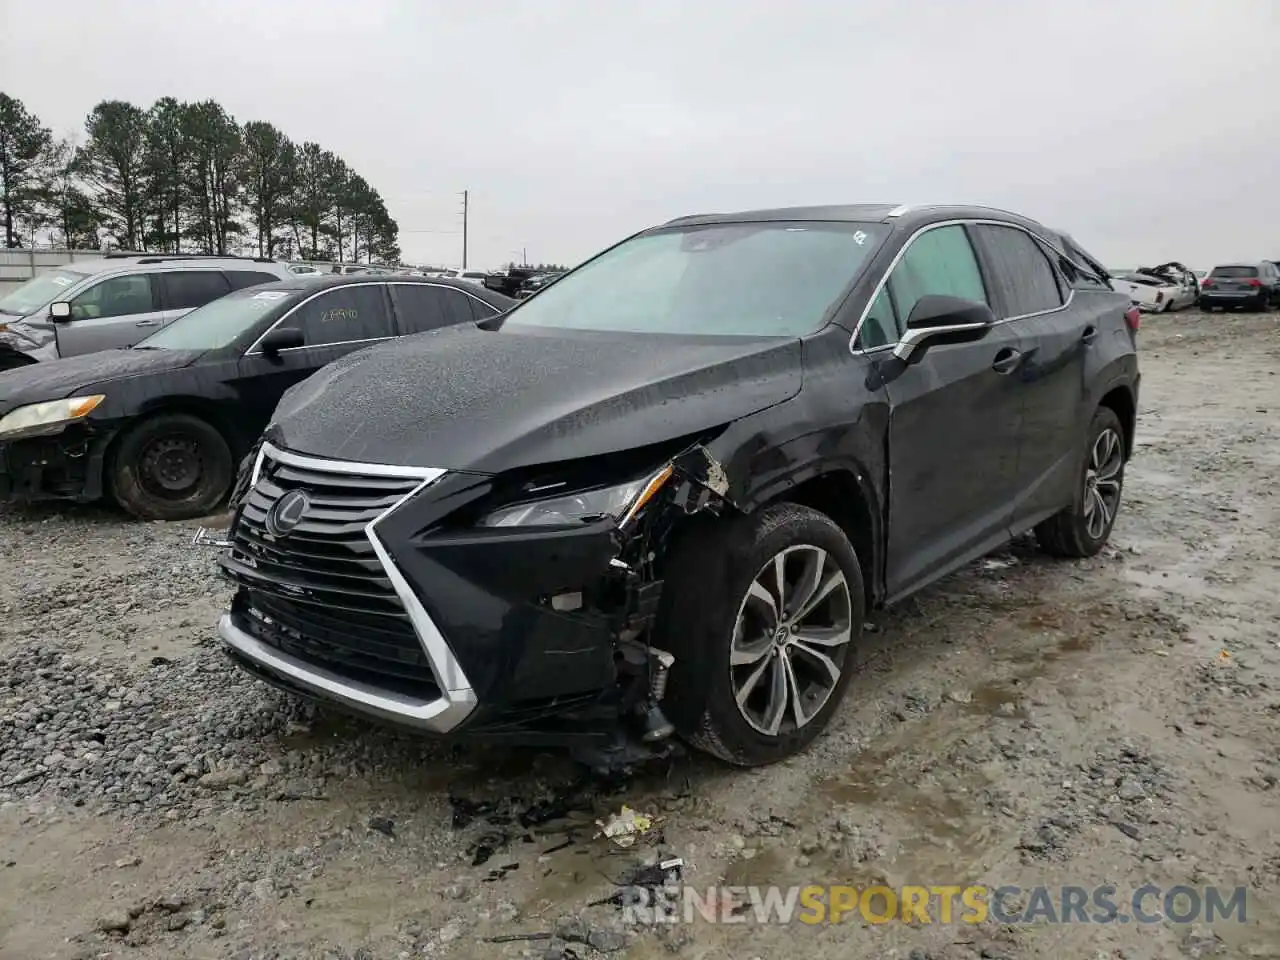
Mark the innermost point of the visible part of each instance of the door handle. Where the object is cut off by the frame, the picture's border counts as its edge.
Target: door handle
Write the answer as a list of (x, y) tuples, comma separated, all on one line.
[(1090, 334), (147, 323), (1007, 360)]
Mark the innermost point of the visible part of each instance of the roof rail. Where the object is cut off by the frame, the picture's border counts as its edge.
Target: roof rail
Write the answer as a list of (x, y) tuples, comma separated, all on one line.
[(162, 257), (898, 211)]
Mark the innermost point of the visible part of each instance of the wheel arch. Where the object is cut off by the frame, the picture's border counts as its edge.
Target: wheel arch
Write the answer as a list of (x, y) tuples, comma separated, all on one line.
[(844, 493), (1120, 400)]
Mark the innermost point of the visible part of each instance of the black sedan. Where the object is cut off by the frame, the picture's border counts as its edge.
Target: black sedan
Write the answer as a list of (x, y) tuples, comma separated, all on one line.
[(160, 427)]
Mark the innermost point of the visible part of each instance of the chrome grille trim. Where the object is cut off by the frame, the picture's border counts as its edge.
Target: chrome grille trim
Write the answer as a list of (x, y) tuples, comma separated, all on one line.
[(457, 699)]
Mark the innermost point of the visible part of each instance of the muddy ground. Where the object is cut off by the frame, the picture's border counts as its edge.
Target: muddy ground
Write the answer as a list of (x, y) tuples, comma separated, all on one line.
[(1024, 722)]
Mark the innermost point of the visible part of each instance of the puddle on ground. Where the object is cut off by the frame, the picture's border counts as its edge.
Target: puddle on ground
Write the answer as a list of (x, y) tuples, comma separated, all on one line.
[(946, 833), (1003, 699)]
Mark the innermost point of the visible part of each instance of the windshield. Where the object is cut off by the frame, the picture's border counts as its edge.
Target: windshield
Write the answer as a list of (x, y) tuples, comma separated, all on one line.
[(734, 279), (218, 323), (39, 292)]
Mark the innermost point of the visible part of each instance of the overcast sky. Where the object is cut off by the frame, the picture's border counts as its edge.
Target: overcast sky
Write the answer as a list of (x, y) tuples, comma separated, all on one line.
[(1149, 130)]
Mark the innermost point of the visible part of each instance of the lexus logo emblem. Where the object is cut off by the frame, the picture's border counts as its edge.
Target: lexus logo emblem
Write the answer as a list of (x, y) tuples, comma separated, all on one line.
[(287, 513)]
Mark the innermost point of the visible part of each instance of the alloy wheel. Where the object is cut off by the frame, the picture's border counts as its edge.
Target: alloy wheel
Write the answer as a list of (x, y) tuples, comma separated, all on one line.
[(1102, 483), (790, 640)]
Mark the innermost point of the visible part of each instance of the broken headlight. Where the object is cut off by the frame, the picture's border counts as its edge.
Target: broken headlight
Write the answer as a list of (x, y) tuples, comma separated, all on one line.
[(37, 419), (619, 503)]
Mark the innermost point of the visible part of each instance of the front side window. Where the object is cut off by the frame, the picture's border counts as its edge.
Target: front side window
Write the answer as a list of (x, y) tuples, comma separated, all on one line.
[(116, 297), (38, 292), (940, 261), (880, 327), (186, 289), (345, 315), (768, 279), (1021, 268)]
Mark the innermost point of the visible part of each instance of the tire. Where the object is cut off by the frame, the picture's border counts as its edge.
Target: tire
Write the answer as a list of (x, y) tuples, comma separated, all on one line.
[(1076, 532), (708, 583), (172, 466)]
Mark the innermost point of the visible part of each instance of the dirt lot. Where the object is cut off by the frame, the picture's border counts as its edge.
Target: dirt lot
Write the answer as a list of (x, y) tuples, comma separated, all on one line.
[(1024, 722)]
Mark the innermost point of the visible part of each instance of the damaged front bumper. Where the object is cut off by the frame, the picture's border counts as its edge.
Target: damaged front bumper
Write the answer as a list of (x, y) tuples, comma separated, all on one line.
[(388, 600), (64, 466)]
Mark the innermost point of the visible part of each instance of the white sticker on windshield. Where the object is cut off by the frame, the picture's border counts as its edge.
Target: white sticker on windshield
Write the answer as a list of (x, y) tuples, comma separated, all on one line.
[(61, 281), (270, 295), (859, 238)]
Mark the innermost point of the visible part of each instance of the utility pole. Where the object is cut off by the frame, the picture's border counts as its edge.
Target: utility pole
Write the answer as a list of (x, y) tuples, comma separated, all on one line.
[(524, 256), (465, 200)]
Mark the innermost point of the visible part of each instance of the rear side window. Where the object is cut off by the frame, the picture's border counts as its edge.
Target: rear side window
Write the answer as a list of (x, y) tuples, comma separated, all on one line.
[(1022, 270), (1234, 272), (116, 297), (346, 315), (249, 278), (939, 261), (184, 289), (423, 306)]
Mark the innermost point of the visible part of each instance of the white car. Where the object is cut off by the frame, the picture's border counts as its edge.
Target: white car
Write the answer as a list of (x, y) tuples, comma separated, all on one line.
[(467, 276), (1162, 289)]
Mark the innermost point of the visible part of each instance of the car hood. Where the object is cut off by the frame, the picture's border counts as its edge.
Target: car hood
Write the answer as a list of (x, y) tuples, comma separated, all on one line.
[(55, 379), (464, 398)]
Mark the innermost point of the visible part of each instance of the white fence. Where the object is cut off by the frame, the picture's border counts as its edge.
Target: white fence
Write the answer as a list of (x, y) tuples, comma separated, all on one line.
[(18, 266)]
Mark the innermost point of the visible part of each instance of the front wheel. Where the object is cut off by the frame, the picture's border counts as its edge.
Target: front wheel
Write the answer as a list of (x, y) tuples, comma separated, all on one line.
[(172, 466), (762, 613), (1082, 528)]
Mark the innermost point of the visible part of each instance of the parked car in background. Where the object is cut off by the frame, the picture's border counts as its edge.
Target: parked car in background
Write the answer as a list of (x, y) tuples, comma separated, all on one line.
[(467, 276), (159, 428), (1170, 286), (659, 496), (306, 270), (536, 283), (116, 301), (1250, 286)]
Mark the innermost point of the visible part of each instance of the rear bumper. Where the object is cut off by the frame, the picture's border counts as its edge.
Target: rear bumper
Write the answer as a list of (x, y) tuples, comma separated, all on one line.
[(1251, 299), (66, 466)]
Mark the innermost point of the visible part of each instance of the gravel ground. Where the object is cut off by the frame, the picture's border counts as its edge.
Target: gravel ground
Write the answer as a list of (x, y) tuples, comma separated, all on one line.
[(1024, 722)]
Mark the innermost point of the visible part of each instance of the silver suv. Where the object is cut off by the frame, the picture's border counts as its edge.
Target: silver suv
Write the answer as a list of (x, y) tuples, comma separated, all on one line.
[(116, 301)]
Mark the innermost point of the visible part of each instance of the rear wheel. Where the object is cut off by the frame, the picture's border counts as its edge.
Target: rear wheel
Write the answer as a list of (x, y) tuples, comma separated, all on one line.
[(1082, 528), (172, 466), (763, 614)]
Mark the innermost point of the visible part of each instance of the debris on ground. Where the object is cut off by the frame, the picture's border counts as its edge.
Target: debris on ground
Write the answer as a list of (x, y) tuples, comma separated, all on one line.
[(625, 826)]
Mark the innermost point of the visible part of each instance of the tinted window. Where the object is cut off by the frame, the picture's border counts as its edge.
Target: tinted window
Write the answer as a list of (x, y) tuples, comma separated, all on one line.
[(344, 315), (1234, 272), (193, 288), (939, 261), (1022, 269), (881, 325), (425, 307), (249, 278), (117, 297)]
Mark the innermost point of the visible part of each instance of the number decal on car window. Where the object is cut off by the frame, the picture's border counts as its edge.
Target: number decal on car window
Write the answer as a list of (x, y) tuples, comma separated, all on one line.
[(340, 314)]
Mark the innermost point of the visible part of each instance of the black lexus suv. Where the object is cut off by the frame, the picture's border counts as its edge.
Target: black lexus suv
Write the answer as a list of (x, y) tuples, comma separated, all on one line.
[(657, 496)]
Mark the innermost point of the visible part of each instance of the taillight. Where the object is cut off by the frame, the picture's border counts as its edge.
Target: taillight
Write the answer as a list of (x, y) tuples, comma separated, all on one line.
[(1255, 282), (1133, 317), (1207, 282)]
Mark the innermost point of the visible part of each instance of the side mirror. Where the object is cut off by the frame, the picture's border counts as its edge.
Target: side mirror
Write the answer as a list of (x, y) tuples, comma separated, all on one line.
[(60, 311), (937, 319), (282, 338)]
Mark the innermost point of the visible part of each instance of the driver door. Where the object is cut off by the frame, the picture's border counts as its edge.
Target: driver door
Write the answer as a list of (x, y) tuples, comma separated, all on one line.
[(116, 312), (955, 417)]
